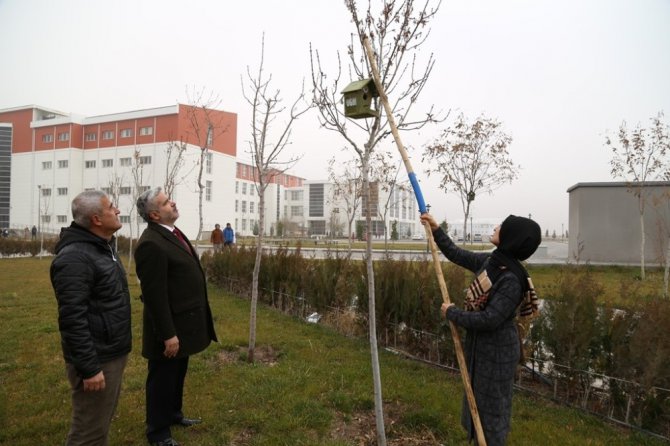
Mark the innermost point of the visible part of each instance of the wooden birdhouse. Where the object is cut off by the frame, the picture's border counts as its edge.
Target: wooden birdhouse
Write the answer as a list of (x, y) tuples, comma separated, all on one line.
[(358, 97)]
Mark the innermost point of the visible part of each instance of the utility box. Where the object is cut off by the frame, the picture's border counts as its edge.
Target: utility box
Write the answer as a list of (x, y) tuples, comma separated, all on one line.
[(358, 97)]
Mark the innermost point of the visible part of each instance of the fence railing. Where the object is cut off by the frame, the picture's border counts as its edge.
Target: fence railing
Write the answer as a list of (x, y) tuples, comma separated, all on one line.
[(620, 401)]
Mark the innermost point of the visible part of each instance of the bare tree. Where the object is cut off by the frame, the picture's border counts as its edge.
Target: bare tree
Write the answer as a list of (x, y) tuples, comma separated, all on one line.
[(386, 176), (397, 31), (114, 188), (347, 189), (174, 161), (203, 128), (640, 156), (137, 174), (661, 205), (471, 157), (44, 206), (266, 147)]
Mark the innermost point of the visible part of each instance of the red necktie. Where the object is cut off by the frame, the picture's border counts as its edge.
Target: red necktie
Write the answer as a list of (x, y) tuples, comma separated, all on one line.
[(181, 238)]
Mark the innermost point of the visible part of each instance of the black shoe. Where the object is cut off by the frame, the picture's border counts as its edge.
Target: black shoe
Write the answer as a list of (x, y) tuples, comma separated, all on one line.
[(187, 422), (166, 442)]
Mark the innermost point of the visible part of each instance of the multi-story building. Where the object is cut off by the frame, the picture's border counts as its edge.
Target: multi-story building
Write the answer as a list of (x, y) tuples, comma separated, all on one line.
[(47, 157), (55, 155), (319, 208)]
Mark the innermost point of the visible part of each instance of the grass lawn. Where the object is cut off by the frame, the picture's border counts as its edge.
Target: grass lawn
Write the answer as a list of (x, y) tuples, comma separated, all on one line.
[(317, 392)]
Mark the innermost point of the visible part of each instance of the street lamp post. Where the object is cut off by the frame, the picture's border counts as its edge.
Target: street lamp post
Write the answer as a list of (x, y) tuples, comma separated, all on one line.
[(39, 204), (40, 229)]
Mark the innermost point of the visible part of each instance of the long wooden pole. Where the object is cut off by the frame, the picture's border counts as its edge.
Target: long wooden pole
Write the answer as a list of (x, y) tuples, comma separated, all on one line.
[(462, 365)]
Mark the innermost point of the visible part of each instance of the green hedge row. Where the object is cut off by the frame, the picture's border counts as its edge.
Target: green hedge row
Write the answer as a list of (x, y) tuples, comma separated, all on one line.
[(10, 246), (573, 330)]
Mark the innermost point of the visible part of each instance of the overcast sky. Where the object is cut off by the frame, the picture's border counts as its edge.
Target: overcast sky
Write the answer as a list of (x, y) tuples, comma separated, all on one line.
[(558, 74)]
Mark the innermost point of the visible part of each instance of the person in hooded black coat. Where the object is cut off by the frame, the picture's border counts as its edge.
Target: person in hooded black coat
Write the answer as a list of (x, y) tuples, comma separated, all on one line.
[(492, 346)]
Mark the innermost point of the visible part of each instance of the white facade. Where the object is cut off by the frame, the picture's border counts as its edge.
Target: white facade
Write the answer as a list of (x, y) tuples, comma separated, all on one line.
[(52, 185)]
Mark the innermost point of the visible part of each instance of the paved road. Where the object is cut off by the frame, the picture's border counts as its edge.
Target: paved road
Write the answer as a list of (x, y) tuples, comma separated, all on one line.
[(550, 252)]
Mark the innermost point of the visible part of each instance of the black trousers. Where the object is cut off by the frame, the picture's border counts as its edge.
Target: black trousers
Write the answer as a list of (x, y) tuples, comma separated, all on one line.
[(164, 393)]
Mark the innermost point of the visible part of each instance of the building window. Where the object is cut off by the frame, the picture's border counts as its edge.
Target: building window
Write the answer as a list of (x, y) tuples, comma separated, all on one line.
[(126, 133), (46, 165), (46, 192), (237, 187), (124, 190), (296, 195), (210, 137), (108, 134), (64, 136), (108, 163), (145, 160), (62, 191), (316, 199), (48, 138), (208, 163), (124, 219), (90, 164), (244, 224), (90, 137), (244, 188), (296, 211), (237, 205), (145, 131), (144, 188), (107, 190), (244, 206), (63, 164), (46, 218), (62, 218), (251, 207), (125, 162), (208, 191)]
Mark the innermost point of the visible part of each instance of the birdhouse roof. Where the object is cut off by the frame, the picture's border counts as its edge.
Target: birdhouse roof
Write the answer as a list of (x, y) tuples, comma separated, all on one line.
[(359, 85)]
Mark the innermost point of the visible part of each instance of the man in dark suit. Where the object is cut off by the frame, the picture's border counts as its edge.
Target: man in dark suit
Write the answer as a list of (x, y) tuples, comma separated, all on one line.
[(177, 320)]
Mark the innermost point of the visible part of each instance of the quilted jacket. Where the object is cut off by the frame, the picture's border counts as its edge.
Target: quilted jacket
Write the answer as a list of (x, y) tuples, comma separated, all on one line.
[(93, 300)]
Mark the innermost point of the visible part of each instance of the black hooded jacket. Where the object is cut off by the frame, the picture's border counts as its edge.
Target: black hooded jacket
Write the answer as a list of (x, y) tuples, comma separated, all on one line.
[(93, 300)]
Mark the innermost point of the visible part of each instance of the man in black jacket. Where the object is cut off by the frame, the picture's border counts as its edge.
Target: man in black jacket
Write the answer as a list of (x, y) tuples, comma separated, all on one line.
[(177, 320), (93, 315)]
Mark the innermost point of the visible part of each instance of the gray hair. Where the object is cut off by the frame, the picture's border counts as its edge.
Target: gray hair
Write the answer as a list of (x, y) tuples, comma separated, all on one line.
[(145, 202), (86, 205)]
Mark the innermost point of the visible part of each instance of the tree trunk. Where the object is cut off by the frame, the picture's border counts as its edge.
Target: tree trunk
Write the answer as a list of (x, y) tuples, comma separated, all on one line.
[(666, 273), (642, 275), (465, 222), (256, 274), (372, 316), (201, 188)]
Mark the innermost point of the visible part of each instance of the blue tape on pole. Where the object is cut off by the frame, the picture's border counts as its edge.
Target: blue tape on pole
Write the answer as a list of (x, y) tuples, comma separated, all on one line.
[(417, 192)]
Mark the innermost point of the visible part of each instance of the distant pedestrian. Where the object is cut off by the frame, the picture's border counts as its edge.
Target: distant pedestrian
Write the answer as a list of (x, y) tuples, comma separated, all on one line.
[(228, 235), (217, 238), (34, 232)]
